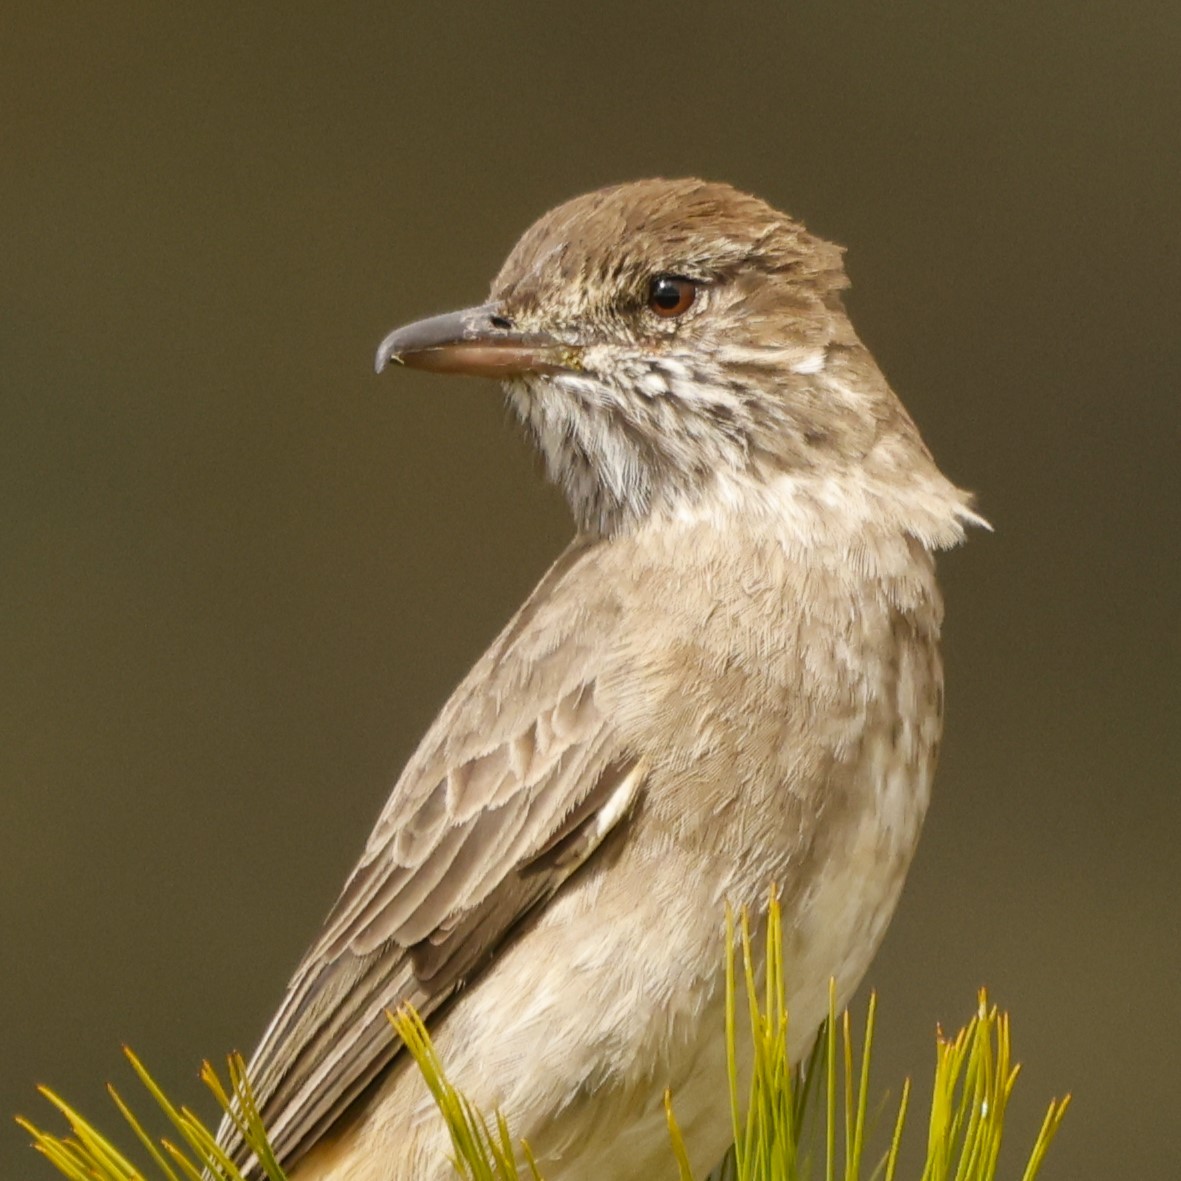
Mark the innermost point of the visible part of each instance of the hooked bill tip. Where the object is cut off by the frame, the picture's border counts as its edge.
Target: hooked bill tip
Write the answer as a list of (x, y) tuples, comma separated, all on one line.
[(385, 356)]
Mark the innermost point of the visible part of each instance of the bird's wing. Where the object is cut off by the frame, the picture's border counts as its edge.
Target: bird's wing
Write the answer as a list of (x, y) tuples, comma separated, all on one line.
[(514, 786)]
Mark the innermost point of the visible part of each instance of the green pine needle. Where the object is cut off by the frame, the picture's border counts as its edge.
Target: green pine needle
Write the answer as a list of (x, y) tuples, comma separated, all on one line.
[(773, 1111)]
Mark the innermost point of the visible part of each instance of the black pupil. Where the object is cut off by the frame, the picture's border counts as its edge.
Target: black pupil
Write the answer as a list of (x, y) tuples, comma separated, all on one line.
[(666, 292)]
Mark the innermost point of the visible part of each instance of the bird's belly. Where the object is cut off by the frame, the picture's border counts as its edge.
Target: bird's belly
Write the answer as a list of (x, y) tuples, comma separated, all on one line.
[(833, 936), (831, 932)]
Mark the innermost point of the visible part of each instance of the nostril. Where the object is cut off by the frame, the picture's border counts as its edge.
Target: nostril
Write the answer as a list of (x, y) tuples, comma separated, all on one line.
[(501, 322)]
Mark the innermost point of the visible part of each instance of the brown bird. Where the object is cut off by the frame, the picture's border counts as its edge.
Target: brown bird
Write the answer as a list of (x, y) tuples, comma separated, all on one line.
[(730, 679)]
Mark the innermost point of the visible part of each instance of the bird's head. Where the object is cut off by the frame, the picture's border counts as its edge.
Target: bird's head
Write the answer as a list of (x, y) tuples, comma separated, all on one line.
[(664, 337)]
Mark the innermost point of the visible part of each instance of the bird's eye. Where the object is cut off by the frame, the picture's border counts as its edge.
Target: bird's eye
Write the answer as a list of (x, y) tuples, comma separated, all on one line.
[(671, 295)]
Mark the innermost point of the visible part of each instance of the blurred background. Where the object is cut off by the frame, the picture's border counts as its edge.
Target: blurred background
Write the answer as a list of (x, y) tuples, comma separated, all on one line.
[(239, 573)]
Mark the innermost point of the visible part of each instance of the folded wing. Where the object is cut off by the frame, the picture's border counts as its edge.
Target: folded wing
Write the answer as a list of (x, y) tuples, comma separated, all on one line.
[(517, 783)]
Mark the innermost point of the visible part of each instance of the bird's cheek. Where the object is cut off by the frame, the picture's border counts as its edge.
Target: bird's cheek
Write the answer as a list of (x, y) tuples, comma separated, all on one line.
[(600, 362)]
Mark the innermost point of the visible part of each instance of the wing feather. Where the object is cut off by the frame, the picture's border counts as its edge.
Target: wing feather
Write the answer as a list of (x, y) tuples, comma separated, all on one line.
[(517, 783)]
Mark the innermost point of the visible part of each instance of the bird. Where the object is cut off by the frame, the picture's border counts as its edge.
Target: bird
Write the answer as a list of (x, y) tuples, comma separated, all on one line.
[(729, 682)]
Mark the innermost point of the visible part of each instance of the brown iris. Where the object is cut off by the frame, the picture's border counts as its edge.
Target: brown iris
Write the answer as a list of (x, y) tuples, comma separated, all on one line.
[(671, 295)]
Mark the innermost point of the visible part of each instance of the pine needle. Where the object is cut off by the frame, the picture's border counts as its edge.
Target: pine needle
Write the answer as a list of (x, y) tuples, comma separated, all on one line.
[(771, 1111)]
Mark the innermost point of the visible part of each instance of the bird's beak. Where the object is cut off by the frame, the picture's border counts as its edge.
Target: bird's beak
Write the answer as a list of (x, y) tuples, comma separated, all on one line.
[(476, 341)]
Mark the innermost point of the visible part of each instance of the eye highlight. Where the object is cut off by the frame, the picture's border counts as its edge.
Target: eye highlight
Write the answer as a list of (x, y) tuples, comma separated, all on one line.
[(670, 296)]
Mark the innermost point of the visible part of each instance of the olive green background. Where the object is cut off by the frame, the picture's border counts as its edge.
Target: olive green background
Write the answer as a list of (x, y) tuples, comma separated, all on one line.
[(239, 573)]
